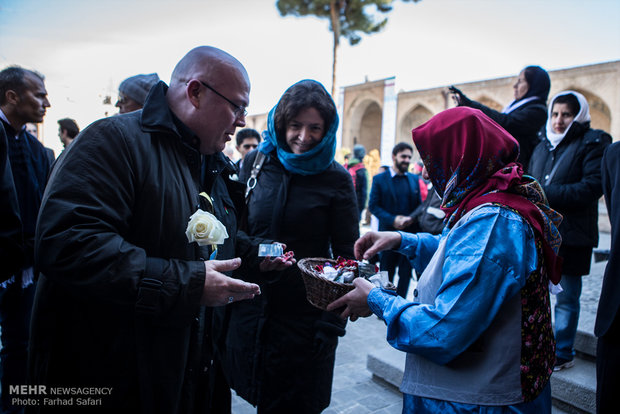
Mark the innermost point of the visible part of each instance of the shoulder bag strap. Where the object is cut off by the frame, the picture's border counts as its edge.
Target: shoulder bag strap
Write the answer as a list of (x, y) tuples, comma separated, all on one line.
[(256, 167)]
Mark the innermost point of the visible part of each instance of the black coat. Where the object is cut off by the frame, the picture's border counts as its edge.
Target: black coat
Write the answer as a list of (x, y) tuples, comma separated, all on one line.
[(30, 166), (11, 242), (523, 124), (118, 302), (280, 349), (609, 303), (575, 187)]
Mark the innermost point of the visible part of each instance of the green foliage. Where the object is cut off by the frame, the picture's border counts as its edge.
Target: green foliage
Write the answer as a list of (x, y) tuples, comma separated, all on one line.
[(355, 17), (347, 18)]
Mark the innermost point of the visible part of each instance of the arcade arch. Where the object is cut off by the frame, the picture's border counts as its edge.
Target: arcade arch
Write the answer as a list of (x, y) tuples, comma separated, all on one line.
[(365, 122), (599, 110), (414, 118)]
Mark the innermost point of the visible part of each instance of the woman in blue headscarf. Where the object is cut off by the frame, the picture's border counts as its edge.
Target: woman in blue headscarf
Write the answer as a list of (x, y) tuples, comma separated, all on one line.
[(280, 349), (525, 115)]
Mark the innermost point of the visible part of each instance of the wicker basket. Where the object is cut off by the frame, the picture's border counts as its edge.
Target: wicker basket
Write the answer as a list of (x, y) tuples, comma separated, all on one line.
[(321, 291)]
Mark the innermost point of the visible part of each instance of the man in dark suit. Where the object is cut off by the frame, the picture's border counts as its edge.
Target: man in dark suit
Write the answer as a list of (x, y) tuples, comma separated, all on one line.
[(23, 99), (394, 195), (607, 327)]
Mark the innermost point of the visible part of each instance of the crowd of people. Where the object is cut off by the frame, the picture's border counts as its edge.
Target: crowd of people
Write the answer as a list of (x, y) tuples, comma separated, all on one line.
[(134, 261)]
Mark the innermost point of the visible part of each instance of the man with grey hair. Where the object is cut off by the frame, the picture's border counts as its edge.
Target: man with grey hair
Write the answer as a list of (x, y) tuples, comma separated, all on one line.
[(23, 99), (125, 295), (132, 92)]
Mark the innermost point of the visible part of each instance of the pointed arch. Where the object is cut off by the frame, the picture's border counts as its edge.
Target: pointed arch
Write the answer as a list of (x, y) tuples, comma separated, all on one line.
[(599, 109)]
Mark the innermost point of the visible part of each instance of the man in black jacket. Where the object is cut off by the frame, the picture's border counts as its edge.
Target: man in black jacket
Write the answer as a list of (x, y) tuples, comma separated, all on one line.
[(123, 302), (607, 327), (23, 99)]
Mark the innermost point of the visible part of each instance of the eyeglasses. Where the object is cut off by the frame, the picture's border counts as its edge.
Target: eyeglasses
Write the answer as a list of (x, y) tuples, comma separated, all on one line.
[(239, 109)]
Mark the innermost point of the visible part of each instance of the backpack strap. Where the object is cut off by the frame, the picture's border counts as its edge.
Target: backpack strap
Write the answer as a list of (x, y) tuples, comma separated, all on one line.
[(256, 167)]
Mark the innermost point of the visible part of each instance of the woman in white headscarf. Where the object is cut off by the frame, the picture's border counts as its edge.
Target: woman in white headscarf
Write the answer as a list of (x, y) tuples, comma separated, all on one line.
[(567, 163)]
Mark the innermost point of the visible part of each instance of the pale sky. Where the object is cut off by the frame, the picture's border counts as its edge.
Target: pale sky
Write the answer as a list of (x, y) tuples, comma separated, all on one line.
[(86, 48)]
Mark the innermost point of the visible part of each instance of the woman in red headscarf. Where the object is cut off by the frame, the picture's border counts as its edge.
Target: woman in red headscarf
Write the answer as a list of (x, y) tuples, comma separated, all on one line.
[(478, 332)]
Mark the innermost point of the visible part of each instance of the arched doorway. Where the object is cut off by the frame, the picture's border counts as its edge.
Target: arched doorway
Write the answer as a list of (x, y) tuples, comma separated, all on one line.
[(414, 118), (365, 125), (599, 110)]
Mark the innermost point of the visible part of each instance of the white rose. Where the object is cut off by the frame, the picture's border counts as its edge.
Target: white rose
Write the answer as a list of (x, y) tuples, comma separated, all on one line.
[(205, 229)]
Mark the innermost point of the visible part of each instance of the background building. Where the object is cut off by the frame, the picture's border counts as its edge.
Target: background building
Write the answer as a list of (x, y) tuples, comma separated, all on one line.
[(374, 115)]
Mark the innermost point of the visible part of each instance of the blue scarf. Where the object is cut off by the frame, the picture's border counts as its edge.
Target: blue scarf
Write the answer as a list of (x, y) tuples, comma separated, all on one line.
[(310, 162)]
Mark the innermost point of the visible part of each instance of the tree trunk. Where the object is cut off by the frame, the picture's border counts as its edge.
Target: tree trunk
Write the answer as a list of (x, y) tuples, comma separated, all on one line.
[(335, 8)]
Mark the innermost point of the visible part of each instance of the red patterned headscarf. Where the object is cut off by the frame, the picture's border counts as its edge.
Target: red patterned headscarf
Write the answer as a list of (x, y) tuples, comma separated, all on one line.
[(471, 160)]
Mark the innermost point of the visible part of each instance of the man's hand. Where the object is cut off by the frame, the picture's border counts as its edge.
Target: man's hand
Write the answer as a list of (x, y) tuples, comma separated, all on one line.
[(356, 301), (401, 222), (220, 289), (374, 242)]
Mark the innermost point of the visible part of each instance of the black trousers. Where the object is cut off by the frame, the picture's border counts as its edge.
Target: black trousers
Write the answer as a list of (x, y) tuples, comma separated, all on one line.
[(608, 369), (388, 261), (15, 311)]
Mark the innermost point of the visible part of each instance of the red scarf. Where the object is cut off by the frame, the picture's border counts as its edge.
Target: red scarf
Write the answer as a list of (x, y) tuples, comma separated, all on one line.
[(471, 160)]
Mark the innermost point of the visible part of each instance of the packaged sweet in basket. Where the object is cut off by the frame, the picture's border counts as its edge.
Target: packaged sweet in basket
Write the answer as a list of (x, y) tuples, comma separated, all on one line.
[(326, 279)]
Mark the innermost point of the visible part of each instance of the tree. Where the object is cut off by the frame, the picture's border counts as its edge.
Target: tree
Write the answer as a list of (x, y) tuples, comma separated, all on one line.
[(347, 18)]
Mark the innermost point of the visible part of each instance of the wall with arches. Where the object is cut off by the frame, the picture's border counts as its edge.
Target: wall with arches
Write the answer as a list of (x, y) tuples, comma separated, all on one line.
[(363, 104)]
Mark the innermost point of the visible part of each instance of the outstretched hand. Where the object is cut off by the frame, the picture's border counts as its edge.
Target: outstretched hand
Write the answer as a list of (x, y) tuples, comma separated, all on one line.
[(278, 263), (220, 289), (459, 97), (355, 302), (374, 242)]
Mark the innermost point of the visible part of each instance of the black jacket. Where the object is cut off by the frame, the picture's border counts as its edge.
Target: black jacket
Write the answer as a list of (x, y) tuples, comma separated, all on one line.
[(523, 124), (607, 315), (118, 302), (30, 166), (279, 348), (574, 189), (11, 242)]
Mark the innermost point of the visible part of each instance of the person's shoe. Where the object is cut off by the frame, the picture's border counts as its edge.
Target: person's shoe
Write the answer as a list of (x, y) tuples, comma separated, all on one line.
[(561, 363)]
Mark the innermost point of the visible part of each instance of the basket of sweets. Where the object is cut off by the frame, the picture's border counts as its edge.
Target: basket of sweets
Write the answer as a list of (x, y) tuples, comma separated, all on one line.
[(326, 279)]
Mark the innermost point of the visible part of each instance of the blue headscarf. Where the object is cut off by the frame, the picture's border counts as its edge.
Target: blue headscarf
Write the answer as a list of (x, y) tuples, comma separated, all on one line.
[(310, 162)]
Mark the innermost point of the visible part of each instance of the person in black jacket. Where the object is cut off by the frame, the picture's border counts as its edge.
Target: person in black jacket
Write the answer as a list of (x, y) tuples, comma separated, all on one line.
[(127, 278), (525, 115), (567, 163), (280, 350), (607, 327), (23, 99)]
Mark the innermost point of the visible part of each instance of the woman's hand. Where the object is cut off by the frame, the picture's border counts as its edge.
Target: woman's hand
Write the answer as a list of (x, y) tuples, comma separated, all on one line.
[(459, 97), (374, 242), (355, 302), (278, 263)]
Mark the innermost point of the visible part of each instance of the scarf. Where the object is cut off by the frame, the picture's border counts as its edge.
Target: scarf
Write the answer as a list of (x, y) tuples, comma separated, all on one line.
[(582, 117), (471, 161), (310, 162), (539, 84)]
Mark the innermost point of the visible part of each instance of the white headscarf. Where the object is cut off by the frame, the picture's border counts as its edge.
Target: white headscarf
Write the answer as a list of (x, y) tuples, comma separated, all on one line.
[(582, 117)]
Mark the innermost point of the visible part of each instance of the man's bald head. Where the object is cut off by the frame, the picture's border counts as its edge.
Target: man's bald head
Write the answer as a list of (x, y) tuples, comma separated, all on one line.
[(209, 90), (204, 61)]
